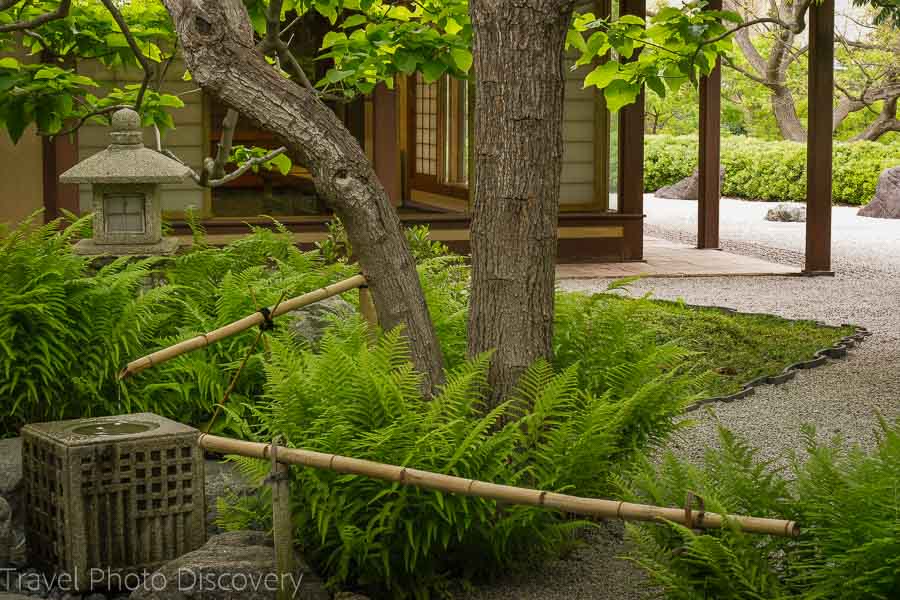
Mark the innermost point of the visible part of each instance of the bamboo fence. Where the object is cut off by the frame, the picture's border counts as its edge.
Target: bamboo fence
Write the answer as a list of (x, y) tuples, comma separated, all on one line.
[(257, 318), (610, 509)]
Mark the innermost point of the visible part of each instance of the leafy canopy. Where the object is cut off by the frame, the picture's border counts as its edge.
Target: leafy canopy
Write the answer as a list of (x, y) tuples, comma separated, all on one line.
[(370, 41)]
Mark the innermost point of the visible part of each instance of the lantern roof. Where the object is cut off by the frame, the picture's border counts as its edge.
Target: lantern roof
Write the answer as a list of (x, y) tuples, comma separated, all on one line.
[(126, 160)]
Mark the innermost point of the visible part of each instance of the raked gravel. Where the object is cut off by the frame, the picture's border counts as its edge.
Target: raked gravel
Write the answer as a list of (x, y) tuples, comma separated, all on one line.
[(843, 397)]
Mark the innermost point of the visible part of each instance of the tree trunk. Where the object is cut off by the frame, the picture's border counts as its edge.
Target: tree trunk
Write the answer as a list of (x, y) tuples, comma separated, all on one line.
[(785, 111), (885, 122), (217, 42), (518, 56)]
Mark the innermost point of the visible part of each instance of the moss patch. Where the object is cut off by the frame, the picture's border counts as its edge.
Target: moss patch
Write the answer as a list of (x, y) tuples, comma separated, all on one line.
[(735, 347)]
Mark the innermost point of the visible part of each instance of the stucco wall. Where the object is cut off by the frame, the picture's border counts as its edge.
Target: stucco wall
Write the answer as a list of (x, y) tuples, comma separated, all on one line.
[(21, 173)]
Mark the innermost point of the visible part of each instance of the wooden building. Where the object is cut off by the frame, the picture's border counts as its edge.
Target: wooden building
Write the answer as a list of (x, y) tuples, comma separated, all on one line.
[(417, 136)]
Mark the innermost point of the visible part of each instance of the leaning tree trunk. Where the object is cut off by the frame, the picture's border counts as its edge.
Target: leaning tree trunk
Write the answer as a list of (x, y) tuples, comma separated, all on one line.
[(217, 42), (518, 57), (785, 110)]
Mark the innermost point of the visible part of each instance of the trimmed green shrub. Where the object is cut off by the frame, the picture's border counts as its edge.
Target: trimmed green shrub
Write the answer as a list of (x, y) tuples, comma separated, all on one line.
[(845, 500), (762, 170), (355, 400)]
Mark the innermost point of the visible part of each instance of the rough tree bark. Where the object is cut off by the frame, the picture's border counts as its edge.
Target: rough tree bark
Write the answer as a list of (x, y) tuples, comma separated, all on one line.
[(518, 56), (217, 41)]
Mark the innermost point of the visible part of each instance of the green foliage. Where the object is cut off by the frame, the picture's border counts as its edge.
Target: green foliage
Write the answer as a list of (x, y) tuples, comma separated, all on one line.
[(677, 45), (243, 154), (355, 400), (211, 287), (845, 500), (733, 348), (376, 41), (47, 94), (65, 332), (761, 170), (67, 328)]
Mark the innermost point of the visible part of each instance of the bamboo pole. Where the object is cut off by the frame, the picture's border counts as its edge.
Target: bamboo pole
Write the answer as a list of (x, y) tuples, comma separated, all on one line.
[(610, 509), (282, 525), (257, 318), (367, 309)]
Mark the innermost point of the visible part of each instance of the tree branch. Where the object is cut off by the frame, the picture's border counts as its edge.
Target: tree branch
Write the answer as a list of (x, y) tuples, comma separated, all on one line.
[(259, 160), (145, 63), (223, 152), (61, 12)]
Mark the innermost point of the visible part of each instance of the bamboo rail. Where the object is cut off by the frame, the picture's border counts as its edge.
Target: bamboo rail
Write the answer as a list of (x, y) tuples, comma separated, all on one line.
[(257, 318), (611, 509)]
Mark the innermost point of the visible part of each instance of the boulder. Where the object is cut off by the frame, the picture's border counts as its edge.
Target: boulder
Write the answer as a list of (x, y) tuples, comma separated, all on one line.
[(310, 322), (786, 212), (7, 539), (349, 596), (223, 480), (686, 189), (11, 487), (886, 203), (239, 564)]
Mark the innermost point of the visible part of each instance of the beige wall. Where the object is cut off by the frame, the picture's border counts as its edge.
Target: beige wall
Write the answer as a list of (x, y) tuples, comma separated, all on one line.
[(21, 177), (186, 140), (21, 172)]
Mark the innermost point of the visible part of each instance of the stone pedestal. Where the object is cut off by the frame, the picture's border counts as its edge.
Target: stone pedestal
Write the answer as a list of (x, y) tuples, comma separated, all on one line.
[(165, 247)]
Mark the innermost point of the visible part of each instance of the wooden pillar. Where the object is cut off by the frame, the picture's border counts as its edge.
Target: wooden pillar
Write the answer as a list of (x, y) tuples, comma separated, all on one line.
[(383, 121), (709, 190), (631, 150), (59, 154), (819, 138)]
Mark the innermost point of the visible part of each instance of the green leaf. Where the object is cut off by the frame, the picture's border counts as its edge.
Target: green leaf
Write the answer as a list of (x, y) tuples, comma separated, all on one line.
[(462, 58), (620, 93), (354, 21), (406, 61), (8, 62), (333, 37), (602, 75), (656, 84), (452, 27), (282, 163), (432, 71), (47, 73), (334, 75)]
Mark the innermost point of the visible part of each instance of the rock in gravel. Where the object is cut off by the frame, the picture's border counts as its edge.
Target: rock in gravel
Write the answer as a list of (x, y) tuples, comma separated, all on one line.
[(310, 322), (886, 203), (788, 213), (240, 564), (686, 189)]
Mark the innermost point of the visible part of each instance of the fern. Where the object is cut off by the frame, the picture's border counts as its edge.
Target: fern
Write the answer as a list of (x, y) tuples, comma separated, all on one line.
[(352, 398), (846, 500)]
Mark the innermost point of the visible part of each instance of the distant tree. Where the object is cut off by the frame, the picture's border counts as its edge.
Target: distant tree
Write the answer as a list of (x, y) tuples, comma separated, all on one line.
[(773, 55)]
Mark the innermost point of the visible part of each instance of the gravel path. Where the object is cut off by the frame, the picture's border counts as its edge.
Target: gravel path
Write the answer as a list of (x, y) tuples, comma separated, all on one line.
[(843, 397)]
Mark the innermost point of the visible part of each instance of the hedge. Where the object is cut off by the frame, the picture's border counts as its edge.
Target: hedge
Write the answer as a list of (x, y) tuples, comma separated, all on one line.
[(762, 170)]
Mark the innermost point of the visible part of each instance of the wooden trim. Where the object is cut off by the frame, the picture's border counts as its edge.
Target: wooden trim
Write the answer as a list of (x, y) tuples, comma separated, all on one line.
[(58, 155), (819, 140), (369, 127), (709, 154), (602, 139), (631, 148)]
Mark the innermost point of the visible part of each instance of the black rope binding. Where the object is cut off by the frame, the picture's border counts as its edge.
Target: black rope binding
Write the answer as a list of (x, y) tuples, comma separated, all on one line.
[(268, 324)]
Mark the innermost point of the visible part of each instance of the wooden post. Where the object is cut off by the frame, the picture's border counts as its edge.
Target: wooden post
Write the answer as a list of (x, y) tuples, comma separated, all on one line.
[(282, 526), (819, 138), (709, 156), (631, 149), (367, 309)]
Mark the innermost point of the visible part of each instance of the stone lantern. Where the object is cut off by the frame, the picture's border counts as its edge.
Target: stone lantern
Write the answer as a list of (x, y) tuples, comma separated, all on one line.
[(125, 184)]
